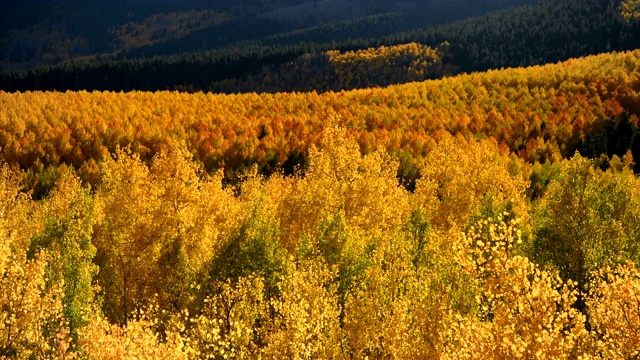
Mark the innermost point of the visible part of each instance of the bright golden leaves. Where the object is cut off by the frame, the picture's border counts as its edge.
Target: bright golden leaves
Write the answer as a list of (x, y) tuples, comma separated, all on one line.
[(587, 218), (530, 309), (159, 227), (613, 309), (340, 263), (227, 323), (453, 187), (340, 183), (32, 323), (137, 340)]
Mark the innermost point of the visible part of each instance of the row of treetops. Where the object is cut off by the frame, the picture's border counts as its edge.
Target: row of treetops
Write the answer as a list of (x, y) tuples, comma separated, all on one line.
[(539, 113)]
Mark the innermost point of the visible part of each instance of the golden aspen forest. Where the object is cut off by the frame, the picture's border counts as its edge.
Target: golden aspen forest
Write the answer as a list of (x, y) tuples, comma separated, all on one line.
[(405, 209)]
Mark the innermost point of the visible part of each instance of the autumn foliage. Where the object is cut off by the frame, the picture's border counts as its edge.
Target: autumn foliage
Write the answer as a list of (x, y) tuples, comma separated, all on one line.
[(341, 262), (540, 113), (141, 248)]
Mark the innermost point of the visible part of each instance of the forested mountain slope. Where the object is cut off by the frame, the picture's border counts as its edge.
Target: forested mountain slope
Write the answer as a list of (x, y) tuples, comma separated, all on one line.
[(474, 215), (43, 32), (547, 31)]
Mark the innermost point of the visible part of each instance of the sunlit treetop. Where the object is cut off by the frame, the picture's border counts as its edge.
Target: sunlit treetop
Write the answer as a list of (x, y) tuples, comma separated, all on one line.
[(630, 9)]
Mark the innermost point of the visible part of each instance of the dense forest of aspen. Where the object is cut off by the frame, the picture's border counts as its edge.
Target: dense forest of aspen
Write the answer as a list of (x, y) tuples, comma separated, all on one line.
[(450, 218), (541, 113), (393, 204)]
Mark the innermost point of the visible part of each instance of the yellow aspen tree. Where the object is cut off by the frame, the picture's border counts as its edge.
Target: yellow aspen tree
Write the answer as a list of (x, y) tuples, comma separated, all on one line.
[(306, 322), (525, 312), (254, 246), (612, 305), (19, 219), (31, 313), (394, 310), (232, 323), (32, 323), (588, 218), (125, 236), (341, 182), (195, 215), (453, 187)]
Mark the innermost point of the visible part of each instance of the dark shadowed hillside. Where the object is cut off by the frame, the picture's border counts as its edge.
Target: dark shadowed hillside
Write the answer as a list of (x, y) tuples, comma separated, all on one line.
[(531, 34)]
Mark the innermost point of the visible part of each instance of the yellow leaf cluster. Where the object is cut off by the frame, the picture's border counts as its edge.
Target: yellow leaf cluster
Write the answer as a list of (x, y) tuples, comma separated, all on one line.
[(137, 340), (630, 9), (614, 312), (453, 187), (525, 311)]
